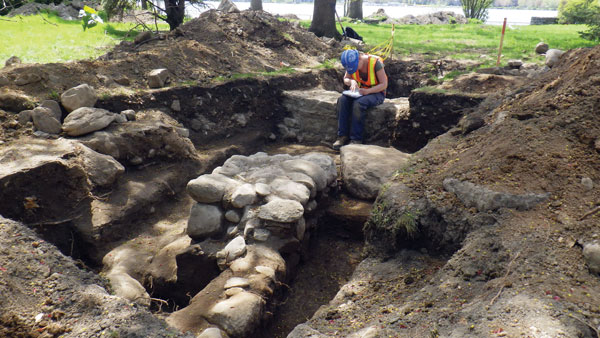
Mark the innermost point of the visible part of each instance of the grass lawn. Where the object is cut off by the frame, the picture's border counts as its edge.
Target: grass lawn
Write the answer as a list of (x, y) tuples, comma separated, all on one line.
[(473, 40), (46, 38)]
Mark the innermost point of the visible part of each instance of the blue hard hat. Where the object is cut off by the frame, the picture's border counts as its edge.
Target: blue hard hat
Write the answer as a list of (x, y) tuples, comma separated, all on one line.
[(350, 60)]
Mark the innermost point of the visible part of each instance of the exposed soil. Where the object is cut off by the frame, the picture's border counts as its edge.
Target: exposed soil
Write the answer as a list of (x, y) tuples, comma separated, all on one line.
[(215, 44), (524, 275)]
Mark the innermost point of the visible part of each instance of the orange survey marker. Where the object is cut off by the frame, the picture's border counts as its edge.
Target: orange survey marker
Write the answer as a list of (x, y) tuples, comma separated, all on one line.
[(501, 41)]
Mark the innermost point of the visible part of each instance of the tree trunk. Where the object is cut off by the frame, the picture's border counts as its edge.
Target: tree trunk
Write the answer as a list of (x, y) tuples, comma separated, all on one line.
[(355, 9), (175, 12), (256, 5), (323, 22), (144, 4)]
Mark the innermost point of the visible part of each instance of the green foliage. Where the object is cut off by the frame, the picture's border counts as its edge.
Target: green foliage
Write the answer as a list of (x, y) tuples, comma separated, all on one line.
[(8, 5), (327, 64), (392, 221), (472, 41), (582, 11), (593, 31), (117, 7), (53, 95), (89, 17), (476, 9), (577, 11)]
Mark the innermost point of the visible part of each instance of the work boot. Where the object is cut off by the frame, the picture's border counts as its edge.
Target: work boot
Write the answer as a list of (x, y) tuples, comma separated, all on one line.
[(356, 142), (341, 140)]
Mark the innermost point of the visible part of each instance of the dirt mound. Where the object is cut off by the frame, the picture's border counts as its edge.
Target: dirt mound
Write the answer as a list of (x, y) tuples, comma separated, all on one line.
[(215, 44), (542, 138)]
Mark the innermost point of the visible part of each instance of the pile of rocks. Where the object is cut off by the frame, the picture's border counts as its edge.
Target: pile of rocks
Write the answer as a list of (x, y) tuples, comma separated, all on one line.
[(437, 18), (266, 205), (552, 55), (82, 118)]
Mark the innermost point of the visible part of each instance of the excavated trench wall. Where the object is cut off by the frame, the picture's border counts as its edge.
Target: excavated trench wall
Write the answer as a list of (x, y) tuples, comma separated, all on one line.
[(228, 112)]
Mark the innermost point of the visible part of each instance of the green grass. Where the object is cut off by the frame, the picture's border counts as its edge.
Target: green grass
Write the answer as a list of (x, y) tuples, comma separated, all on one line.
[(473, 40), (46, 38)]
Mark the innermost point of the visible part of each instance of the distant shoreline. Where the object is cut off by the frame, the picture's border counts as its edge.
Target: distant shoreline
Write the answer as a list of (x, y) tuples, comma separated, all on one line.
[(304, 11)]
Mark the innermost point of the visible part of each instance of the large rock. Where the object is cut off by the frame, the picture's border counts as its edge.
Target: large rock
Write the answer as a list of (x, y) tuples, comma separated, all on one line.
[(325, 162), (85, 120), (127, 287), (309, 168), (44, 120), (553, 57), (290, 190), (243, 195), (54, 107), (283, 211), (234, 249), (313, 117), (81, 96), (25, 116), (157, 78), (365, 168), (212, 332), (541, 48), (13, 60), (210, 188), (136, 142), (237, 315), (205, 221), (485, 199), (227, 6), (103, 170), (46, 172), (24, 79), (15, 101)]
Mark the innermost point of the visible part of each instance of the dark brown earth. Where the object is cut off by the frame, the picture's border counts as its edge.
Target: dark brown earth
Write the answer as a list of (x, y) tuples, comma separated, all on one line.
[(523, 276)]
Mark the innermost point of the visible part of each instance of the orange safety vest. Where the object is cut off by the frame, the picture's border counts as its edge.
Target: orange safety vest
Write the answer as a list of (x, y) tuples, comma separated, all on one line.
[(371, 75)]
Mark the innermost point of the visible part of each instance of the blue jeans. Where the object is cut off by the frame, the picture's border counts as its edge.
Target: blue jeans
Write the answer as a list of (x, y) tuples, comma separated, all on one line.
[(352, 112)]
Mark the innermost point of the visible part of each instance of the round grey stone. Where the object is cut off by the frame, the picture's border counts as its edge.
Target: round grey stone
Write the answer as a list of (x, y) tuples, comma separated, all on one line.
[(236, 282), (591, 253), (85, 120), (205, 221), (541, 48), (280, 210), (243, 195), (262, 189), (210, 188), (587, 183), (81, 96), (232, 216)]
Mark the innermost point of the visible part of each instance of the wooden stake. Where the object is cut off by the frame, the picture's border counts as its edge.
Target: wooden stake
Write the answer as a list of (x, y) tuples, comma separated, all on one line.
[(501, 42)]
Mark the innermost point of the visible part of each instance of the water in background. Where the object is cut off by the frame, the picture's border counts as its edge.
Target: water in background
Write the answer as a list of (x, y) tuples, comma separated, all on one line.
[(305, 11)]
